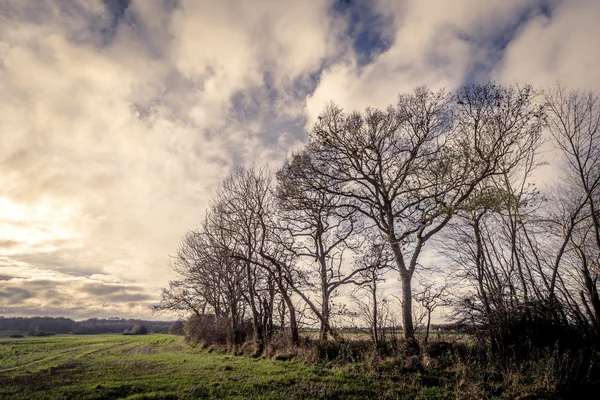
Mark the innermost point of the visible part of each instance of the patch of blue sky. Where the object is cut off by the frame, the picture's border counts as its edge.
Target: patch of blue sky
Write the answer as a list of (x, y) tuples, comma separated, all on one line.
[(366, 28)]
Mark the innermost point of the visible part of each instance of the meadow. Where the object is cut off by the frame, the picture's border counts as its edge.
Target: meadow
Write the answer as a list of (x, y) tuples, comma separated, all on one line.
[(165, 367)]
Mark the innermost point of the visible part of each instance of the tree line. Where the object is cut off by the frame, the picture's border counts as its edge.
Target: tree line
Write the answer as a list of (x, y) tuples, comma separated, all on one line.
[(61, 325), (444, 174)]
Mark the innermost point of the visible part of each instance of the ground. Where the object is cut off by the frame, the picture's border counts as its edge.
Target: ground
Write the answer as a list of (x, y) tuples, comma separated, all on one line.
[(164, 367)]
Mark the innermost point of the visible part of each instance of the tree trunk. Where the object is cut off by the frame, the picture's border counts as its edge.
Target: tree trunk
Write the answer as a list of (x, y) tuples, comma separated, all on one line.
[(282, 312), (405, 277), (407, 322), (258, 336), (428, 324), (375, 313), (324, 282), (233, 335), (317, 313), (269, 306), (325, 313), (295, 336)]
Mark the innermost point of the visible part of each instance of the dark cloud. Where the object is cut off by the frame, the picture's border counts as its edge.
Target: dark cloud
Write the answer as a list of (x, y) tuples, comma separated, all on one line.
[(108, 289), (59, 261), (171, 98), (116, 9), (44, 260), (42, 284), (79, 298), (132, 297), (14, 294)]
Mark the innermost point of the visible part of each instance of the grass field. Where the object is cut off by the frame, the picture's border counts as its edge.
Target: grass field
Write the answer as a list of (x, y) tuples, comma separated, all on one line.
[(164, 367)]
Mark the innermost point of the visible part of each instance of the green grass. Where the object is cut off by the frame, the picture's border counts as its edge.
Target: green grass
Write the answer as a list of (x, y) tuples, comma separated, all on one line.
[(164, 367)]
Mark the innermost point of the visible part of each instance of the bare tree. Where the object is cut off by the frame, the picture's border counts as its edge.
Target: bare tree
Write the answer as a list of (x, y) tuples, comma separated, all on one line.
[(208, 280), (430, 296), (574, 123), (532, 262), (496, 247), (321, 229), (247, 212), (407, 169), (373, 265)]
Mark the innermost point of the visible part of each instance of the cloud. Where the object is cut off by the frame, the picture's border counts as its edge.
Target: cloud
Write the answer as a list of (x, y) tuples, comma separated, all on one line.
[(118, 118), (556, 47), (439, 44), (15, 295), (26, 290)]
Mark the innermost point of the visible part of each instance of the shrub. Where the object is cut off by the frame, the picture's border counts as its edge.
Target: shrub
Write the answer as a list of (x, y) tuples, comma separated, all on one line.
[(347, 351), (206, 330), (139, 330), (35, 331), (209, 329)]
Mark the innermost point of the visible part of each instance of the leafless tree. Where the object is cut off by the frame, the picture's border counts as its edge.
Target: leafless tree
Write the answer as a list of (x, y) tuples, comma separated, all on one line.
[(430, 296), (531, 261), (574, 123), (247, 211), (407, 169), (373, 265), (322, 230), (496, 245), (208, 280)]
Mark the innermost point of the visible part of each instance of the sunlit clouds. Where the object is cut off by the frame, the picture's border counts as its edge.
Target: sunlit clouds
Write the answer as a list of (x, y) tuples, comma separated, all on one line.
[(118, 118)]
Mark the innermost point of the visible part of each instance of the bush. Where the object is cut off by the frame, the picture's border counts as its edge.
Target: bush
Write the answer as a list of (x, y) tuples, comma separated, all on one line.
[(139, 330), (348, 351), (206, 330), (37, 332), (209, 329)]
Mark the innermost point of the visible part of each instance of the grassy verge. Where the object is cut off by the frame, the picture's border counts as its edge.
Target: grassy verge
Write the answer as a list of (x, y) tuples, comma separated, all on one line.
[(163, 367)]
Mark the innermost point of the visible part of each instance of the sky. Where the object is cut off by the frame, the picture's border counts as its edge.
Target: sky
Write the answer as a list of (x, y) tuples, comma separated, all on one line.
[(118, 118)]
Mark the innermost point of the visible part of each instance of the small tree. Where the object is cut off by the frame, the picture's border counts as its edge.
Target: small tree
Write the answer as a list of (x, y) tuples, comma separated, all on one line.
[(430, 296), (373, 265)]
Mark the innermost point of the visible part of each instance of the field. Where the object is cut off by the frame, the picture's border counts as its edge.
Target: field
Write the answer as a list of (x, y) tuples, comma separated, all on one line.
[(164, 367)]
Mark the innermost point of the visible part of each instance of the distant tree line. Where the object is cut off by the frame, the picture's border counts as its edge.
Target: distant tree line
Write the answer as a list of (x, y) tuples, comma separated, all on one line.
[(60, 325), (371, 192)]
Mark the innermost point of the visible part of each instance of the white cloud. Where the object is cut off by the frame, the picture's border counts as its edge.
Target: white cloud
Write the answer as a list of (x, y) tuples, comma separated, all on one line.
[(113, 135), (433, 43), (561, 48), (114, 130)]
